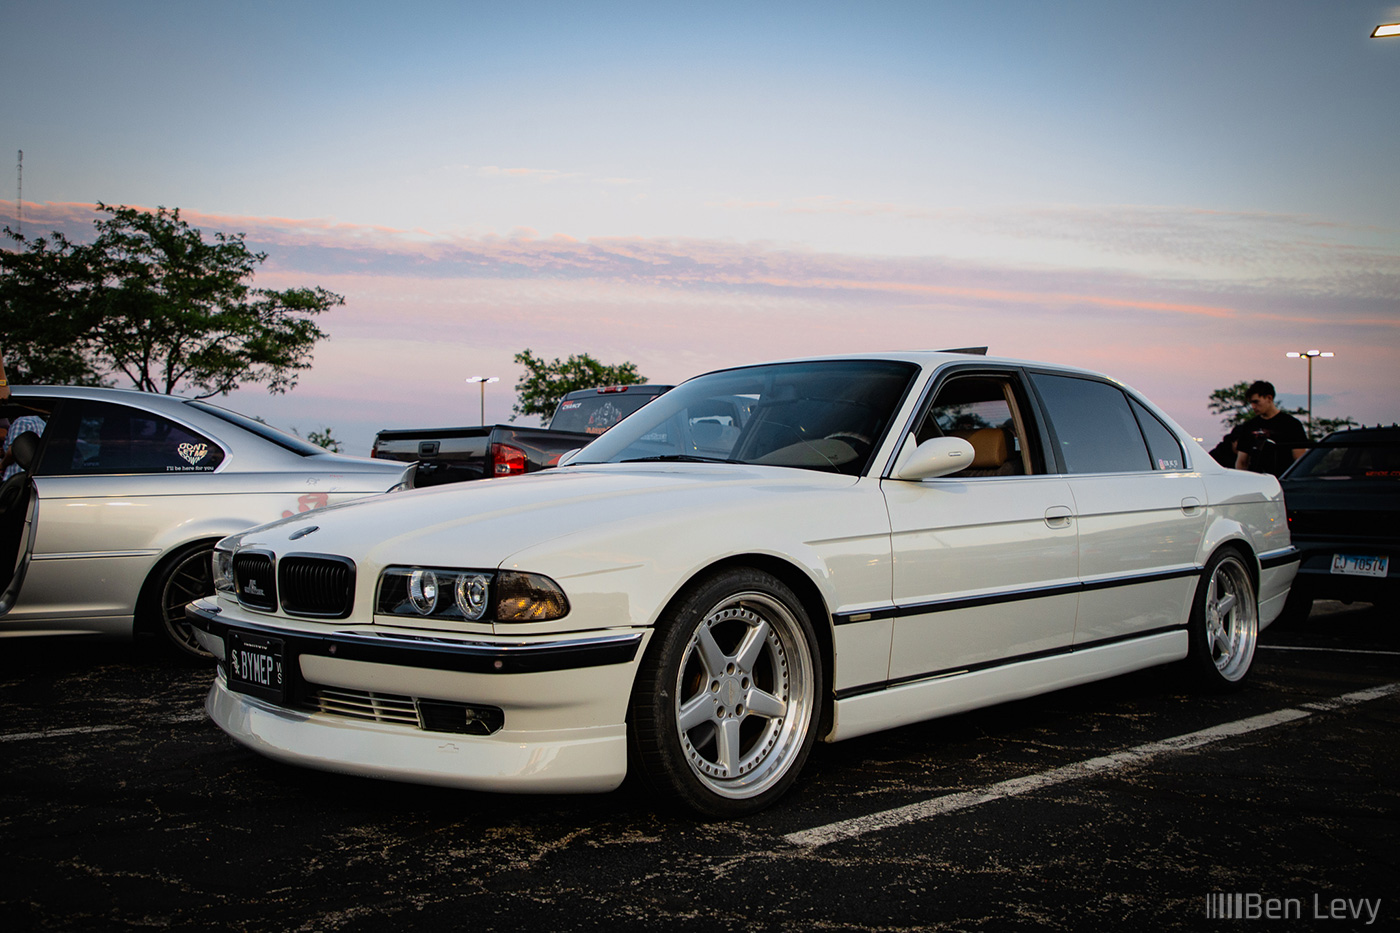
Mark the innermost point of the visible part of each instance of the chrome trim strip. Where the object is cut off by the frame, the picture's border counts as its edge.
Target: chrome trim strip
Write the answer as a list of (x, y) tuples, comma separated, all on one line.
[(473, 657), (1272, 559), (991, 599)]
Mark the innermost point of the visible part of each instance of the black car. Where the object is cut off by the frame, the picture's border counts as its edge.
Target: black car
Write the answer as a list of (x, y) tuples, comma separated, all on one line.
[(1343, 499)]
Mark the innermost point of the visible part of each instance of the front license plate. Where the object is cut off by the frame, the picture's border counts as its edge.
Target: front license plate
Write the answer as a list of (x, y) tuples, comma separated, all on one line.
[(257, 666), (1360, 565)]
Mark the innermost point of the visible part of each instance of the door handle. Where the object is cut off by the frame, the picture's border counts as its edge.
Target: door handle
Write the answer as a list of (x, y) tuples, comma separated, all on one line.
[(1059, 516), (1190, 505)]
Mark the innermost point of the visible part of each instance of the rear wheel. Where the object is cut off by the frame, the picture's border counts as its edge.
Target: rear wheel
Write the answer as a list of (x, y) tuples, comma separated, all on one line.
[(723, 713), (180, 579), (1224, 623)]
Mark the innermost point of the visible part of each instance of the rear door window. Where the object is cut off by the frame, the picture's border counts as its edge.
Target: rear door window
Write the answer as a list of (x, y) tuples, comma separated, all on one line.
[(1093, 426)]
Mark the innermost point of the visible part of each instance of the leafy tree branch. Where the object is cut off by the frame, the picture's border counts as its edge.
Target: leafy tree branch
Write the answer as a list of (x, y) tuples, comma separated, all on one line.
[(152, 300), (545, 382)]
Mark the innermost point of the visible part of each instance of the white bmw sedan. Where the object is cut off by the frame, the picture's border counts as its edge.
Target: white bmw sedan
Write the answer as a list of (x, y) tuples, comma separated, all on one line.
[(762, 558), (117, 499)]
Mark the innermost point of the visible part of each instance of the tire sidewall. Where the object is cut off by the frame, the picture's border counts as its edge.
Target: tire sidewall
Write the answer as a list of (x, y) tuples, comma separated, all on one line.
[(1201, 659), (655, 744), (150, 607)]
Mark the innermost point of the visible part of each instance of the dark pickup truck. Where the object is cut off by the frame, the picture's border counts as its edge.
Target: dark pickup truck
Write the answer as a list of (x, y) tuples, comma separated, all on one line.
[(452, 455)]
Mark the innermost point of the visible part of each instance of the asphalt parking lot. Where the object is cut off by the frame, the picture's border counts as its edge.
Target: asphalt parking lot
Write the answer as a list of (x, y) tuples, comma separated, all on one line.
[(1126, 804)]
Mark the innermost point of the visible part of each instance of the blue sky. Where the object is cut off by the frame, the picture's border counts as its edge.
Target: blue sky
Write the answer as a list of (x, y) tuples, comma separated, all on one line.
[(1176, 194)]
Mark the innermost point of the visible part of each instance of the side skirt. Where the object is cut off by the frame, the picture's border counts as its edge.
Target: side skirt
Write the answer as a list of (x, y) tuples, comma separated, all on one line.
[(957, 693)]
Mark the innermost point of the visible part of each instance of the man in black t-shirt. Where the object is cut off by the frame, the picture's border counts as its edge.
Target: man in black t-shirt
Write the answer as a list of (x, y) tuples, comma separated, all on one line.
[(1272, 439)]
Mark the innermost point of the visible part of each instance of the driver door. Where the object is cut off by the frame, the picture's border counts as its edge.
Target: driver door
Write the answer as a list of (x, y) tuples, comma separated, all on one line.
[(985, 560), (19, 498)]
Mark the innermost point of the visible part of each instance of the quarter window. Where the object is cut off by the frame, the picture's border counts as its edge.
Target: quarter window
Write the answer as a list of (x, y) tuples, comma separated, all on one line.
[(1161, 442), (1093, 425)]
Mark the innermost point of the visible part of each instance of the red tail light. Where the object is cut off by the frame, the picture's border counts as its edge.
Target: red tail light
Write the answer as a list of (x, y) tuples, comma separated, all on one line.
[(507, 460)]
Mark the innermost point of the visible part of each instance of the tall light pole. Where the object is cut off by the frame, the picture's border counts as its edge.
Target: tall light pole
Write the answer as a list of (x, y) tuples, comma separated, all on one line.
[(1309, 355), (485, 379)]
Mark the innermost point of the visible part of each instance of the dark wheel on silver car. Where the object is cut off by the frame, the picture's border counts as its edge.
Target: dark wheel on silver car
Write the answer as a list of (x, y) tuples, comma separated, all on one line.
[(1224, 623), (723, 713), (181, 578)]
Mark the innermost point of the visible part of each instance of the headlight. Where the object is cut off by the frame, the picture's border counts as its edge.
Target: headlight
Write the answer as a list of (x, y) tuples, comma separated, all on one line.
[(423, 591), (470, 595), (222, 566), (473, 592)]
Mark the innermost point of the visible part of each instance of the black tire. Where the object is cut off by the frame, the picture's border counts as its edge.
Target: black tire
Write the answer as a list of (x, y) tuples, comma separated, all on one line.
[(181, 578), (724, 710), (1224, 623)]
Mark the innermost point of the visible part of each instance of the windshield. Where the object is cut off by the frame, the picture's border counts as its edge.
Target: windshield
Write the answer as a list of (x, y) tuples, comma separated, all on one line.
[(1342, 459), (821, 415)]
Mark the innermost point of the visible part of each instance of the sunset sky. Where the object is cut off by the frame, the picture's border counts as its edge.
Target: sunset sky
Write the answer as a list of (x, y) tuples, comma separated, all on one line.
[(1176, 194)]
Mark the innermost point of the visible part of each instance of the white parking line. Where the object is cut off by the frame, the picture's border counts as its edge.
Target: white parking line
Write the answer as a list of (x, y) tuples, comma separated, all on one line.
[(860, 826), (1334, 650)]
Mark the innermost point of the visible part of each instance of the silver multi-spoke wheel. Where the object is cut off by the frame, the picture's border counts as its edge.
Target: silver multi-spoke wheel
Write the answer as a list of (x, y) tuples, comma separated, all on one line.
[(1225, 624), (743, 695), (1232, 622), (724, 707)]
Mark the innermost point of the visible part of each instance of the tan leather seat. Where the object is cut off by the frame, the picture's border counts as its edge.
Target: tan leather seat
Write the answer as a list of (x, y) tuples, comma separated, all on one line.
[(990, 455)]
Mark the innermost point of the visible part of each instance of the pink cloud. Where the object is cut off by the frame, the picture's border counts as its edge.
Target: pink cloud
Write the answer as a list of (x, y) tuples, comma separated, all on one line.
[(423, 309)]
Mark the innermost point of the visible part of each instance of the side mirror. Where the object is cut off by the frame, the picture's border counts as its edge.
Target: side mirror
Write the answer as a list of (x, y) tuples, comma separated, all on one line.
[(568, 455), (937, 456)]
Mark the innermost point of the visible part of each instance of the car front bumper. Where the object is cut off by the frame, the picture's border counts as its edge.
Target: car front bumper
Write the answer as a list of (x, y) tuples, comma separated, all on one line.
[(522, 715)]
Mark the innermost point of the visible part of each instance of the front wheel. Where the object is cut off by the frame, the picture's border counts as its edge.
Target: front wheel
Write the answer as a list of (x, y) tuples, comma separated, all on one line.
[(1224, 623), (181, 579), (723, 713)]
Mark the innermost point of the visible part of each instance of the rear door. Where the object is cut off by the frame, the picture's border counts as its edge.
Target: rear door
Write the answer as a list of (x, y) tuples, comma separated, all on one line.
[(1141, 511)]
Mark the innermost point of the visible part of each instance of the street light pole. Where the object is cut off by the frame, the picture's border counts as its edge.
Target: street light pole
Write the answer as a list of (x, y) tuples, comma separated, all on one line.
[(485, 379), (1309, 355)]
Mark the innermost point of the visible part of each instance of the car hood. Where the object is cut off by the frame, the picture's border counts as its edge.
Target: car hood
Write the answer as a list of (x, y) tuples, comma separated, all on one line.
[(481, 524)]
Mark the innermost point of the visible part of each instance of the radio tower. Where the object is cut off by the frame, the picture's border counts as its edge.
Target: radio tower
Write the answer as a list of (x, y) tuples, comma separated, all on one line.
[(19, 195)]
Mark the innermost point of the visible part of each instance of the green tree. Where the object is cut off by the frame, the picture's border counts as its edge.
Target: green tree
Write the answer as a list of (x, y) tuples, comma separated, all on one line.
[(324, 438), (153, 300), (1231, 404), (546, 382)]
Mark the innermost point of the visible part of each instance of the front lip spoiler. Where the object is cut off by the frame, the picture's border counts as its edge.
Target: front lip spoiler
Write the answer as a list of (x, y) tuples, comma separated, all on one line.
[(469, 657)]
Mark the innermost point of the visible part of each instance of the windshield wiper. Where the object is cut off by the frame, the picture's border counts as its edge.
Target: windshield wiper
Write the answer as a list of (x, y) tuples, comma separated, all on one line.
[(678, 458)]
